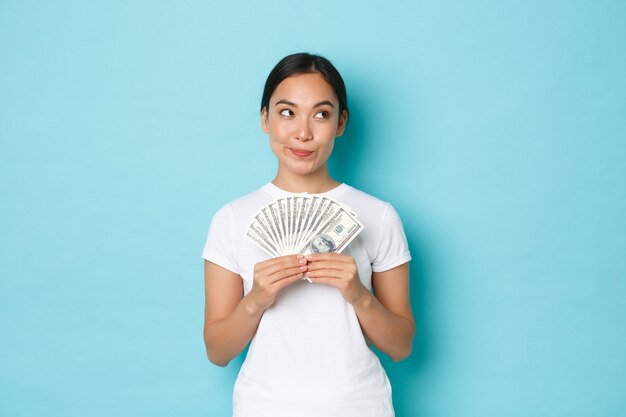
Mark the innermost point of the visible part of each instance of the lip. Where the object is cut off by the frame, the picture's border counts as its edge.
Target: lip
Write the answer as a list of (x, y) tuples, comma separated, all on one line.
[(300, 152)]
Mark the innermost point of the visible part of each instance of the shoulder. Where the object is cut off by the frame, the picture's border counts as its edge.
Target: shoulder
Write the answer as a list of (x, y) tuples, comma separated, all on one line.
[(365, 203), (378, 216), (228, 225), (383, 234), (246, 205)]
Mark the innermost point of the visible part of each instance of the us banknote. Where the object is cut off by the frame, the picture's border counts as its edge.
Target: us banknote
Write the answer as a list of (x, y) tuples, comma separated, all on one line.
[(304, 223)]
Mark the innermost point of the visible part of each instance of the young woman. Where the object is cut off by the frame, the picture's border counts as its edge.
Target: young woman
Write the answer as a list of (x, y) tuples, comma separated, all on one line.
[(309, 349)]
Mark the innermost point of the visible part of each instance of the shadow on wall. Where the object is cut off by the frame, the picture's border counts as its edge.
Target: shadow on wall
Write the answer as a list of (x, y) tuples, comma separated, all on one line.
[(354, 154), (349, 153), (405, 375)]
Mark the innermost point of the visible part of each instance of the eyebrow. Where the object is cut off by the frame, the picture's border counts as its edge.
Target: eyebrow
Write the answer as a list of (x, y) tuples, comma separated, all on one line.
[(290, 103)]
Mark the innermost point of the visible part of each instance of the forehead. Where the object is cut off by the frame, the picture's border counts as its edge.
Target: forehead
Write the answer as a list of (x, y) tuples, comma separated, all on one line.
[(304, 89)]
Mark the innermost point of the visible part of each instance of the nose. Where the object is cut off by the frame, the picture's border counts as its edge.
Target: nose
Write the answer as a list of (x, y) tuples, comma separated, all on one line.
[(304, 132)]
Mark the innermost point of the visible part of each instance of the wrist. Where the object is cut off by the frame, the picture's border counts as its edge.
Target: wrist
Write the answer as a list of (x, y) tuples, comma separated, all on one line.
[(364, 300), (251, 307)]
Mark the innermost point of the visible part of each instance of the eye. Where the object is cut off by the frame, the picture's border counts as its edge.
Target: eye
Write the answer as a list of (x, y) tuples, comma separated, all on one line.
[(323, 114), (286, 112)]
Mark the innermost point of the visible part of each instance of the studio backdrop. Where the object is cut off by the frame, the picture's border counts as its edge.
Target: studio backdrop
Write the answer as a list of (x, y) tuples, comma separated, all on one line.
[(495, 128)]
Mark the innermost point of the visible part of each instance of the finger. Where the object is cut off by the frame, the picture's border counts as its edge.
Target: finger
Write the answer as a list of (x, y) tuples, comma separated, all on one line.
[(316, 265), (278, 259), (327, 273), (329, 256), (285, 273), (288, 281), (283, 262)]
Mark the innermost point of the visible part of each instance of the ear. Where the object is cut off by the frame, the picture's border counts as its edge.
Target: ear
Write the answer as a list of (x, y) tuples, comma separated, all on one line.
[(265, 124), (343, 119)]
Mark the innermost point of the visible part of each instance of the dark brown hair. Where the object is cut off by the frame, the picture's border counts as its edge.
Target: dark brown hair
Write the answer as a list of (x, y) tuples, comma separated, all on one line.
[(304, 63)]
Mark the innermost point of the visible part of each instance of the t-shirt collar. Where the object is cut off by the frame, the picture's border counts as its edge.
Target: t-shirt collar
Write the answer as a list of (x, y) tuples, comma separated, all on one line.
[(276, 192)]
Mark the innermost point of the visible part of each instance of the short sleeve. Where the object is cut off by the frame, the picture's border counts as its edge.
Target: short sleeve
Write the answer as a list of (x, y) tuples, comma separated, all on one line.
[(219, 243), (393, 248)]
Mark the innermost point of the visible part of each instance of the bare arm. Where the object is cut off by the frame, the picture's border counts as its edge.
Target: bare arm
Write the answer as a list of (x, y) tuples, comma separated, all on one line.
[(385, 316), (230, 319)]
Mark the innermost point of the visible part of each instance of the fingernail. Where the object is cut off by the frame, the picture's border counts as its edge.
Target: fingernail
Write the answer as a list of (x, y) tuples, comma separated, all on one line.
[(303, 268), (309, 257), (300, 256), (302, 261)]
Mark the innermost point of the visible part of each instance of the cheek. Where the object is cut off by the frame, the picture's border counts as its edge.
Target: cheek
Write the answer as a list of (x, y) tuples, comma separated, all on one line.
[(328, 134), (280, 132), (328, 146)]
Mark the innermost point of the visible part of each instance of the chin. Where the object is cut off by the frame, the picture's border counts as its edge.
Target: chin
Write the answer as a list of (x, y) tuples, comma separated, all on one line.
[(300, 170)]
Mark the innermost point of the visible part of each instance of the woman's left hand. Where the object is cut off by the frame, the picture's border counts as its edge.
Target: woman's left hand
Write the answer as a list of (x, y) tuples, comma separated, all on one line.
[(337, 270)]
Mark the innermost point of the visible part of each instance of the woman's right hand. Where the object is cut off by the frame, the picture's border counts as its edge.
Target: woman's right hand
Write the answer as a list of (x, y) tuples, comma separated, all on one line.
[(273, 275)]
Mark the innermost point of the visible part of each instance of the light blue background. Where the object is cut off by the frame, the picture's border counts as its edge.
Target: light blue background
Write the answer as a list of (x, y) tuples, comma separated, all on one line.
[(497, 130)]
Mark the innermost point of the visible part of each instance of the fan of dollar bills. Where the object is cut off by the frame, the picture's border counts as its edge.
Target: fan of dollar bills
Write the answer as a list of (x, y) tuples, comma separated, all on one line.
[(304, 223)]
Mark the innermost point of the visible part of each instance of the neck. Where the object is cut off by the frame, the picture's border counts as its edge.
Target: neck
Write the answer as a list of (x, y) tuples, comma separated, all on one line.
[(316, 182)]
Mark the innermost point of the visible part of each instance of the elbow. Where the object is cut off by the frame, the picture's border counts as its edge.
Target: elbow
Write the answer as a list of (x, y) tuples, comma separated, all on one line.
[(401, 355), (212, 357), (403, 351), (215, 360)]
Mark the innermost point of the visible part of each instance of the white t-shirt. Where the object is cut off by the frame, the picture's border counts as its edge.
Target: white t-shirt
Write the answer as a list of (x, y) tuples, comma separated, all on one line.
[(309, 356)]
